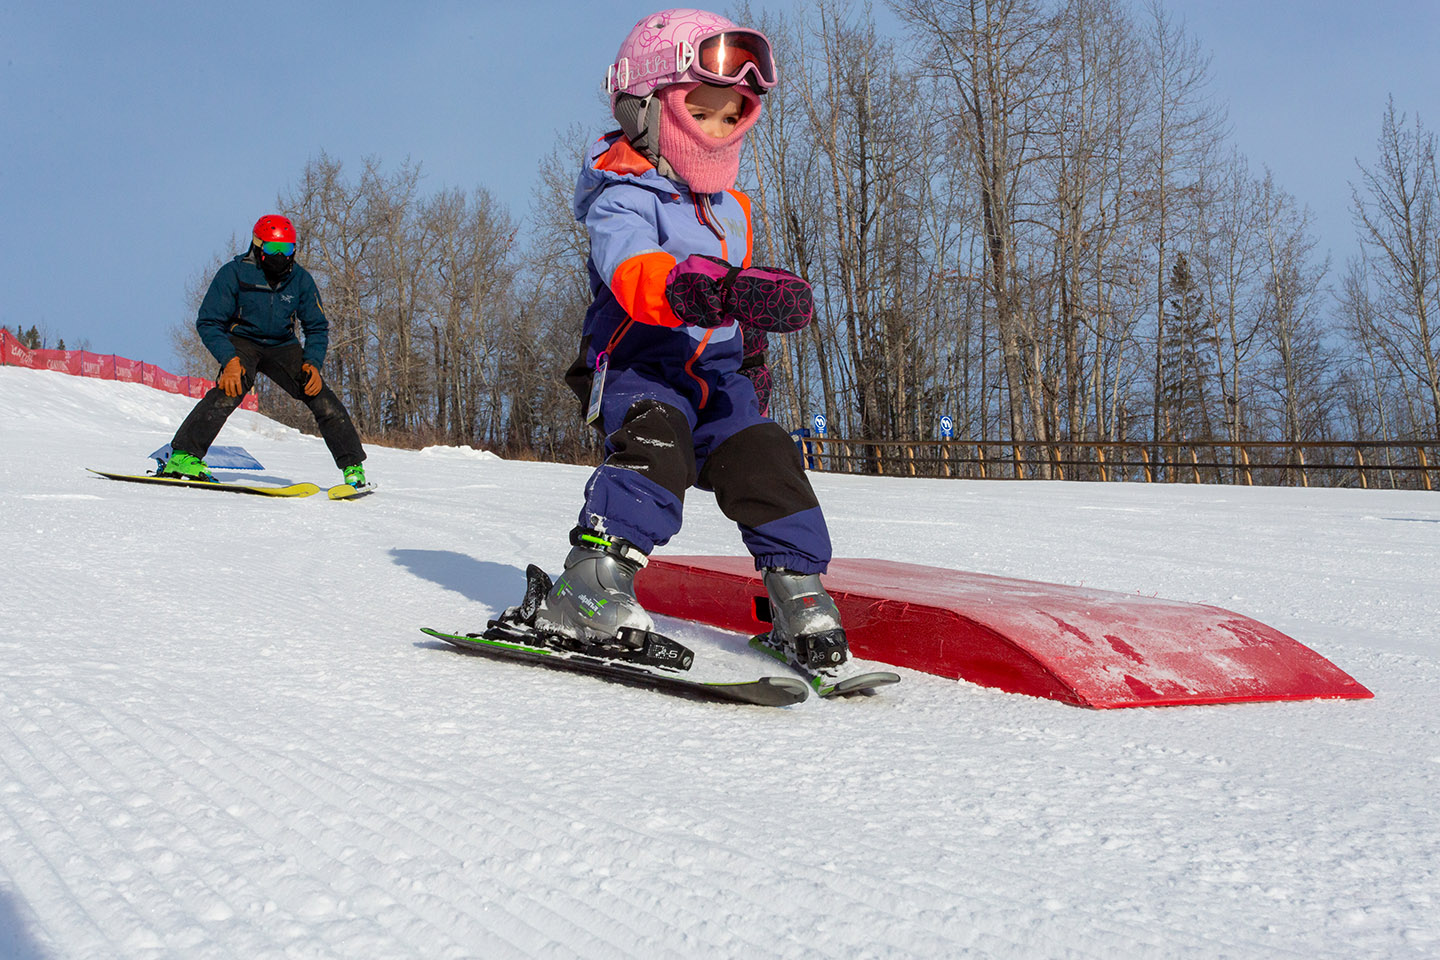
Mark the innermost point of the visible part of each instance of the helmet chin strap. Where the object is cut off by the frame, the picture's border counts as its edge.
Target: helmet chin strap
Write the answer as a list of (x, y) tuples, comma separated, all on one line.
[(639, 119)]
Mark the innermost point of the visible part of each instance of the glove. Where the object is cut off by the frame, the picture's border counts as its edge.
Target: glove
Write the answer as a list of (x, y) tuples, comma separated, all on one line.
[(755, 366), (756, 343), (759, 374), (232, 378), (695, 289), (310, 380), (707, 291)]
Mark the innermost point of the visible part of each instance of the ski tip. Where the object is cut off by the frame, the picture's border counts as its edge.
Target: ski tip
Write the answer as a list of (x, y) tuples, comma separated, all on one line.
[(864, 684)]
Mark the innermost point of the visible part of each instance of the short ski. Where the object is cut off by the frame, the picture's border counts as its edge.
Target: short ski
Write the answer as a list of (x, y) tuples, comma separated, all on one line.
[(845, 686), (343, 491), (506, 641), (292, 490)]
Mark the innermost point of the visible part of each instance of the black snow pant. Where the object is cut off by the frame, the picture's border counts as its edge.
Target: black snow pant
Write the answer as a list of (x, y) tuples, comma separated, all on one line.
[(281, 364)]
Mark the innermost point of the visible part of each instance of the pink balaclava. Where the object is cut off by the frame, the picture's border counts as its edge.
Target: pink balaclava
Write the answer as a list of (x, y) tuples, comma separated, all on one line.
[(707, 164)]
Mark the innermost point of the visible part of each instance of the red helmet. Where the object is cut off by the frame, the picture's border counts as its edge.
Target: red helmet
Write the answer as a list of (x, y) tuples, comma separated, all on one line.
[(272, 226)]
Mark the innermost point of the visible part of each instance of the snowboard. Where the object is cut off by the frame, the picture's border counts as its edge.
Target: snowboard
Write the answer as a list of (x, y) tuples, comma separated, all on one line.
[(292, 490), (503, 641)]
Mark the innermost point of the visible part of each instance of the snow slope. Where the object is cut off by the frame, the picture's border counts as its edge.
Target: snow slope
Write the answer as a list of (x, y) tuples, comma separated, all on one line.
[(221, 734)]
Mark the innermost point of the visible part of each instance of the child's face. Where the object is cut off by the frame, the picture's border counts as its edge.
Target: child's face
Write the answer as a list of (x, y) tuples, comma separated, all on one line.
[(716, 109)]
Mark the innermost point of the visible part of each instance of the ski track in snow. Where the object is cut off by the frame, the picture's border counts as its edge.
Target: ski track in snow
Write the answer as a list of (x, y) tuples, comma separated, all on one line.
[(222, 735)]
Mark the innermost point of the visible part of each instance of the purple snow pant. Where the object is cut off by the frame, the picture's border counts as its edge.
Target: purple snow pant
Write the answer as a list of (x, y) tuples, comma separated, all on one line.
[(660, 442)]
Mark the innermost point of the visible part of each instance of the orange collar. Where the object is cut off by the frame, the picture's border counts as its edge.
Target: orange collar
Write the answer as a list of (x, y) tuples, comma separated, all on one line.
[(622, 158)]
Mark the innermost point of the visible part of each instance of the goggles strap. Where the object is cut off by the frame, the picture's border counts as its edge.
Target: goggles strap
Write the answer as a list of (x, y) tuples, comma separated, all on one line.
[(617, 76)]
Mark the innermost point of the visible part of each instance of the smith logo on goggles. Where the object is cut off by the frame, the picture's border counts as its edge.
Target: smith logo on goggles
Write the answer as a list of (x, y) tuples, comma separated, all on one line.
[(723, 59)]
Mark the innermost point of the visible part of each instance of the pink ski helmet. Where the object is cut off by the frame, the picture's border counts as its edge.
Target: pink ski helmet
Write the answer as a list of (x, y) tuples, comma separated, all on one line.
[(684, 46)]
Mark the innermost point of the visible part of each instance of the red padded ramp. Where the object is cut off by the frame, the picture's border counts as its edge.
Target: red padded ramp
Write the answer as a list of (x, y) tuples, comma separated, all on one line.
[(1095, 648)]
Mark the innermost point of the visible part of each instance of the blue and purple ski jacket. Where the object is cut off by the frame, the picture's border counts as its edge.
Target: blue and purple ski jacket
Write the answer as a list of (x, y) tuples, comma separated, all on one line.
[(659, 369), (641, 224)]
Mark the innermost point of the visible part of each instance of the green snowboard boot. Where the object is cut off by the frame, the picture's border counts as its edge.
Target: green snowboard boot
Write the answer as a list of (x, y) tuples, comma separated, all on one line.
[(185, 466)]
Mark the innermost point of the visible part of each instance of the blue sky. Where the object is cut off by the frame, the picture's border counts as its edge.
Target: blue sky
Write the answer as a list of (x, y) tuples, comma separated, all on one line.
[(1306, 85), (137, 139)]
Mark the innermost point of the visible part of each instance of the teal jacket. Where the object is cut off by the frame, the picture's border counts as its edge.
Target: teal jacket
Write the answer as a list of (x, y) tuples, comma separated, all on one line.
[(241, 303)]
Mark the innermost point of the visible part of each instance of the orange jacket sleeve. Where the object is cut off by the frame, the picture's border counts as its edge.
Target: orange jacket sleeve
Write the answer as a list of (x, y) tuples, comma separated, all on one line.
[(639, 287)]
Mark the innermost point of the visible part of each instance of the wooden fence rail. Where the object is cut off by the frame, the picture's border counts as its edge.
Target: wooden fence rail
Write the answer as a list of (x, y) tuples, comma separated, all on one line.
[(1402, 464)]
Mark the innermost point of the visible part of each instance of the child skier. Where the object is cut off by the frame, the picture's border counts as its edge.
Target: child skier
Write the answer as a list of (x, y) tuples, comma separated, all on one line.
[(659, 370)]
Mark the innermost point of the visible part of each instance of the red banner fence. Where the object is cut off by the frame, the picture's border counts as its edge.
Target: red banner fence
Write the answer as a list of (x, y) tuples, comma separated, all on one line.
[(83, 363)]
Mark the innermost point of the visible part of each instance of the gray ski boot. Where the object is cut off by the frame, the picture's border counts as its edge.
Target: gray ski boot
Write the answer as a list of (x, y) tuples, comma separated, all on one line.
[(594, 599), (806, 634)]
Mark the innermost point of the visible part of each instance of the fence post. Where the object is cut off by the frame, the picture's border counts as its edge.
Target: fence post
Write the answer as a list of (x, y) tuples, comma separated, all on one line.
[(1145, 459), (1100, 457), (1360, 468), (1424, 467)]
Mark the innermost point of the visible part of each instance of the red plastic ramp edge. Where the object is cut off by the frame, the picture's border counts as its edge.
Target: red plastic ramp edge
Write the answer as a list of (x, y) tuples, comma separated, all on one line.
[(1093, 648)]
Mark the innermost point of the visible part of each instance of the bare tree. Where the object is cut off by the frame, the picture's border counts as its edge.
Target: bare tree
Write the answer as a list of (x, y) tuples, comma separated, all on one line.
[(1183, 131), (1397, 212), (1090, 158), (466, 303), (335, 239), (543, 334), (190, 350), (1289, 316), (994, 56), (1230, 266)]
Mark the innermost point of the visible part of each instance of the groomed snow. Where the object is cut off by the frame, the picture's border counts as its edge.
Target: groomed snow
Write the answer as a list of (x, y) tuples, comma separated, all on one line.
[(222, 735)]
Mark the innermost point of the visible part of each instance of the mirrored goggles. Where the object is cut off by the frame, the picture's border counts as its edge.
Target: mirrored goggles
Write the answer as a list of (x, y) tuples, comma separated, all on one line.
[(274, 247), (725, 58)]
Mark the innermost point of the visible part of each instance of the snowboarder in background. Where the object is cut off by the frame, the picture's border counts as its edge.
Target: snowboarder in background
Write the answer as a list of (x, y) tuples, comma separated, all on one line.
[(659, 370), (247, 320)]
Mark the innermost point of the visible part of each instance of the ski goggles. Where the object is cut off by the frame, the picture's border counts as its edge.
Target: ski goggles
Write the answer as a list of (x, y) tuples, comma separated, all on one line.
[(273, 247), (723, 58)]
